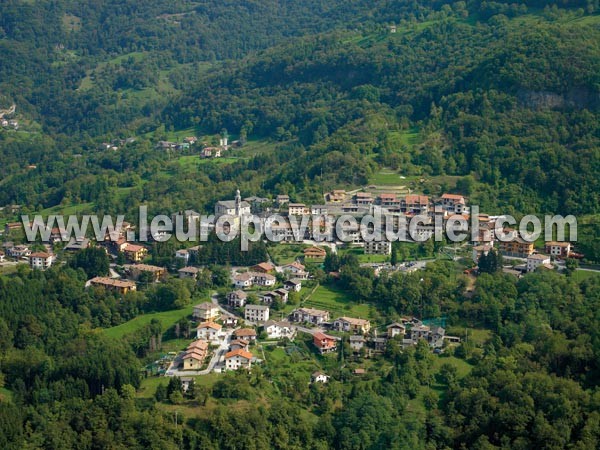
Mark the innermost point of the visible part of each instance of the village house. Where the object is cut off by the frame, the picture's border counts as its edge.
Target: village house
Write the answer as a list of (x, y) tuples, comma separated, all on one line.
[(298, 209), (282, 199), (243, 280), (453, 203), (210, 152), (379, 344), (314, 316), (395, 329), (296, 269), (319, 377), (278, 294), (40, 260), (378, 247), (279, 330), (239, 344), (156, 273), (263, 267), (336, 196), (537, 260), (236, 208), (357, 342), (229, 321), (324, 342), (314, 253), (209, 331), (19, 251), (77, 244), (237, 299), (351, 325), (363, 198), (434, 336), (118, 286), (247, 334), (206, 311), (183, 254), (558, 249), (135, 253), (282, 231), (389, 200), (195, 355), (419, 331), (189, 272), (516, 247), (256, 313), (294, 285), (263, 279), (414, 204), (237, 359)]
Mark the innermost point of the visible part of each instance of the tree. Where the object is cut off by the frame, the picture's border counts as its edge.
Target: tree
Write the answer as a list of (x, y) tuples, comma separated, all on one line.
[(490, 262), (94, 261)]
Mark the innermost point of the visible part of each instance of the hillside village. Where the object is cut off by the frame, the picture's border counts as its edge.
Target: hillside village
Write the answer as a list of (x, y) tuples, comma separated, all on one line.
[(232, 328)]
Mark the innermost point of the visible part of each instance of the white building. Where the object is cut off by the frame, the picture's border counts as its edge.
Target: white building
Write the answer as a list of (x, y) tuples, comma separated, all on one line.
[(40, 260), (237, 359), (319, 377), (256, 313), (208, 331), (183, 254), (536, 260), (279, 330)]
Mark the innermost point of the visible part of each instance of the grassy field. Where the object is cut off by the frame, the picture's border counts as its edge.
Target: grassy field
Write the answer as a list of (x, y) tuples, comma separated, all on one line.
[(337, 302), (581, 275), (286, 253), (360, 255), (167, 319)]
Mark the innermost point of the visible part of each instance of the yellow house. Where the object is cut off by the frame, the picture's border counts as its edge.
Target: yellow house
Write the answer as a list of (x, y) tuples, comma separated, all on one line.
[(135, 253)]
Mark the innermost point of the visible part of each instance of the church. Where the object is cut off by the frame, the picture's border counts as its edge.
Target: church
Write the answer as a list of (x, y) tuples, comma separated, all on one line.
[(235, 207)]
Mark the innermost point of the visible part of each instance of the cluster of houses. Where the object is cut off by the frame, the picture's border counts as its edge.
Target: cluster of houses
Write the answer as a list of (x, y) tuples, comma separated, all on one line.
[(409, 330), (395, 207), (206, 150)]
